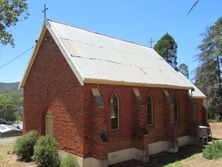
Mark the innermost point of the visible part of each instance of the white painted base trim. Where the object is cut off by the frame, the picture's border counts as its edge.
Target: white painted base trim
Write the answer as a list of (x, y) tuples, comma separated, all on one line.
[(85, 162), (113, 157), (185, 140), (131, 153), (157, 147), (127, 154), (161, 146), (63, 154)]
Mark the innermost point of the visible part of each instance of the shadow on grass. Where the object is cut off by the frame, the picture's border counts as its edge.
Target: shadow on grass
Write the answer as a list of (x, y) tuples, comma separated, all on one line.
[(164, 158), (213, 138)]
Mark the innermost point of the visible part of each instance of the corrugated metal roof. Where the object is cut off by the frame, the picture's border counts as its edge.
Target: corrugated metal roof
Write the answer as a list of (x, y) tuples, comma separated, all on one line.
[(197, 93), (96, 58)]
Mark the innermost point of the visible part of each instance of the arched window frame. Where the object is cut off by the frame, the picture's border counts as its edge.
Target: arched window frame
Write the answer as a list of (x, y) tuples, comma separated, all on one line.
[(149, 105), (118, 113)]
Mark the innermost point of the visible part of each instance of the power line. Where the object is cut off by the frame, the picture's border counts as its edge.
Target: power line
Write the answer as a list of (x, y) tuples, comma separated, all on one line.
[(2, 66), (194, 5)]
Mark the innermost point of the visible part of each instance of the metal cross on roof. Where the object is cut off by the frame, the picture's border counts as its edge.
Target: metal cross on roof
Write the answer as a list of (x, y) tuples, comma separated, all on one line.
[(151, 42), (44, 11)]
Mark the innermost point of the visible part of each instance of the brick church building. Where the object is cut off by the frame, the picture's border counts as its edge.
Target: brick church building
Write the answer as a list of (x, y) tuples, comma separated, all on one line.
[(107, 100)]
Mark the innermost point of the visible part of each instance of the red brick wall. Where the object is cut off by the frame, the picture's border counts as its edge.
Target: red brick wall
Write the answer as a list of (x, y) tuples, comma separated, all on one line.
[(201, 114), (127, 135), (51, 85), (78, 123)]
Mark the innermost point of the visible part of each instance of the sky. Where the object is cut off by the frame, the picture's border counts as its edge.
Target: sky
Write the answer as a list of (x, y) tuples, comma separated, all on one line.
[(132, 20)]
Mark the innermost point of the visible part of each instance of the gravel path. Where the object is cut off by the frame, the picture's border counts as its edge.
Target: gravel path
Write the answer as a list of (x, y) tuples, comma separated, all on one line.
[(9, 140)]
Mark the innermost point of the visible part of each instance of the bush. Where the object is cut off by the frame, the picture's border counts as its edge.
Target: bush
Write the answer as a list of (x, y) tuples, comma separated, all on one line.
[(24, 146), (69, 161), (46, 152), (213, 151)]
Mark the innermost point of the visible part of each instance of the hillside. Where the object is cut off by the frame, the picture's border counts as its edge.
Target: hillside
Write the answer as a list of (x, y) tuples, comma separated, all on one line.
[(10, 89), (9, 86)]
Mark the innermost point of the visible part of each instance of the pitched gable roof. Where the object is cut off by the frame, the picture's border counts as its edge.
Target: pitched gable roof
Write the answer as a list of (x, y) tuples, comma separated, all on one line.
[(95, 58)]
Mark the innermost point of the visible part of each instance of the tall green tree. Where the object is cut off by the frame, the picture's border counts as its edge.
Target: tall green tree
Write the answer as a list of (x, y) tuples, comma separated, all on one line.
[(167, 48), (8, 108), (183, 68), (11, 11), (208, 74)]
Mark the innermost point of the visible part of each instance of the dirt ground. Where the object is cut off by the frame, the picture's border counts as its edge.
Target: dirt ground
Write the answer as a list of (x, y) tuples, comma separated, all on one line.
[(188, 156), (7, 159), (216, 129)]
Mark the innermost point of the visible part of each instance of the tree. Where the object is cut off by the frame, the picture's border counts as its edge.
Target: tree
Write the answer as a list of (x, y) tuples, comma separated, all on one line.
[(208, 74), (8, 108), (167, 48), (11, 11), (183, 68)]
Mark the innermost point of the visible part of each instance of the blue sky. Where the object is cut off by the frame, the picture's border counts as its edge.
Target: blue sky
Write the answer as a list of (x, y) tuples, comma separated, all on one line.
[(133, 20)]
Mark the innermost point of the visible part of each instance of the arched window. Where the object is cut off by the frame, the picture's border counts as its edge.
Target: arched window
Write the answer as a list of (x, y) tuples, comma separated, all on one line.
[(176, 109), (114, 113), (149, 109)]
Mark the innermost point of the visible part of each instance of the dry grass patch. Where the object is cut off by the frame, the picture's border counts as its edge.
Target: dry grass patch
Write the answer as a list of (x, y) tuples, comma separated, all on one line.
[(196, 160), (7, 159), (216, 129)]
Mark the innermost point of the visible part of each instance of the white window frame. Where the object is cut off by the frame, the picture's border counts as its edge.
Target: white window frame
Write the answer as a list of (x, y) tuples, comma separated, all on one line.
[(118, 118)]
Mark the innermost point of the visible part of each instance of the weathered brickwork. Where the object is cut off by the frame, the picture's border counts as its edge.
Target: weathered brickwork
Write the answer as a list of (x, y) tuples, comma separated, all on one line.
[(78, 123), (52, 86)]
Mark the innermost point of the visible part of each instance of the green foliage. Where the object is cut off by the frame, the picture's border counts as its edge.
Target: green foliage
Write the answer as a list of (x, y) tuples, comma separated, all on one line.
[(183, 68), (11, 11), (213, 151), (10, 102), (208, 74), (8, 108), (46, 152), (167, 48), (69, 161), (24, 146)]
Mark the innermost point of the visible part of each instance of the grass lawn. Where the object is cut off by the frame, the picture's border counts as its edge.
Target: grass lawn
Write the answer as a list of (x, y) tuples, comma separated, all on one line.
[(196, 160)]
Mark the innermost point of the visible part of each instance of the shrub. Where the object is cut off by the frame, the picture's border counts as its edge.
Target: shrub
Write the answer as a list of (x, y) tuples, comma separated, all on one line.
[(69, 161), (213, 151), (46, 152), (24, 146)]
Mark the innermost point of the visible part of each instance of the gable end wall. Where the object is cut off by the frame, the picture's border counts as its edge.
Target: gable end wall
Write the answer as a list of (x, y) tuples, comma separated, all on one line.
[(51, 85)]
